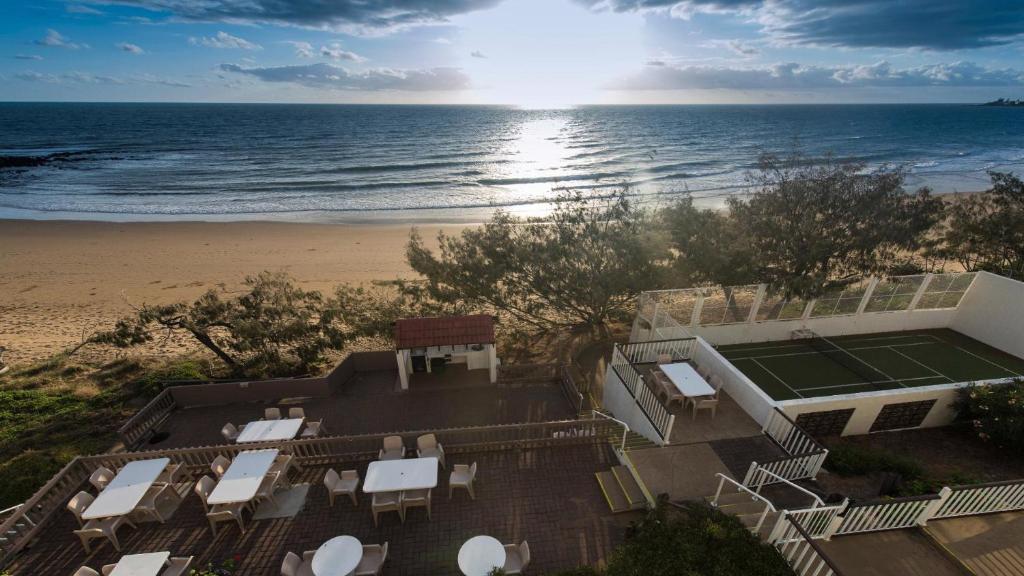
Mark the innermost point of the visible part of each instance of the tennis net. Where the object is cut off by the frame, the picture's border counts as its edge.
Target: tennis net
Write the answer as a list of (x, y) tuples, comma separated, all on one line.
[(844, 358)]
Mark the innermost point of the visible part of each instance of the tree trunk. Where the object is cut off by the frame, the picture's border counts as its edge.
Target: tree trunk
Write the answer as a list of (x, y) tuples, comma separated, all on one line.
[(205, 340)]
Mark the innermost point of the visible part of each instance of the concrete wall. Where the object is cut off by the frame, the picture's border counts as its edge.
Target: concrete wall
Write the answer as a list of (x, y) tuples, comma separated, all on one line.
[(831, 326), (992, 311), (754, 401), (621, 404)]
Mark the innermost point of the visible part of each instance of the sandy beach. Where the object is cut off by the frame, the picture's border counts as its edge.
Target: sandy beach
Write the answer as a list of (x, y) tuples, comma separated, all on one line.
[(61, 279)]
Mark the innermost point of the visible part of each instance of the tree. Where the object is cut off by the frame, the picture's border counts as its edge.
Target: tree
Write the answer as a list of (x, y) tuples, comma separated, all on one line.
[(986, 231), (274, 328), (580, 266), (807, 227)]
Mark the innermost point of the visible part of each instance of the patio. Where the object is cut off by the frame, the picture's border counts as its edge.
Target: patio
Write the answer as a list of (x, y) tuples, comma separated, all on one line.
[(372, 402), (546, 496)]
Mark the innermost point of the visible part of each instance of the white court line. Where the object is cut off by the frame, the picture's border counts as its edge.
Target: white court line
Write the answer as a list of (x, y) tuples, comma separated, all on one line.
[(774, 375), (816, 353), (983, 359), (881, 382), (925, 366)]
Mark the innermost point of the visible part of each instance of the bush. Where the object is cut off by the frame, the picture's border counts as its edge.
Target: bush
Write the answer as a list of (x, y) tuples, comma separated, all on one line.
[(25, 474), (995, 414), (848, 460)]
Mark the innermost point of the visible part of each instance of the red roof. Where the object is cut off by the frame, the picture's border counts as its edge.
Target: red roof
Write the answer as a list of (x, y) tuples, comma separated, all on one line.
[(444, 331)]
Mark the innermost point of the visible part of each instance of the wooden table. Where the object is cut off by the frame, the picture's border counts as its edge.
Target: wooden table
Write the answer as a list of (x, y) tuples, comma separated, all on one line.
[(686, 379), (338, 556), (242, 479), (141, 564), (480, 555), (398, 475), (127, 489), (264, 430)]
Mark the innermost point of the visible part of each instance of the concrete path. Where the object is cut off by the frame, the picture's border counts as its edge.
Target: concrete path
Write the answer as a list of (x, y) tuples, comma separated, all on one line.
[(890, 553), (683, 472), (990, 545)]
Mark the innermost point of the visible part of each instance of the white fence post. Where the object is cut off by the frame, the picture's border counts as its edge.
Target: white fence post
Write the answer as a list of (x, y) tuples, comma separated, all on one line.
[(920, 291), (933, 507), (697, 308), (762, 289), (872, 284)]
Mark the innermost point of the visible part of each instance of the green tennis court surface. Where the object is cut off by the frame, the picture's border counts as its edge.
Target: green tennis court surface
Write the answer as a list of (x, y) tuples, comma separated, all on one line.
[(789, 369)]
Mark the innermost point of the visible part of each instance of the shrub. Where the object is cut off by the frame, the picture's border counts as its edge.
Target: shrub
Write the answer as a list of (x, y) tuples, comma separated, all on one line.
[(995, 414), (848, 460)]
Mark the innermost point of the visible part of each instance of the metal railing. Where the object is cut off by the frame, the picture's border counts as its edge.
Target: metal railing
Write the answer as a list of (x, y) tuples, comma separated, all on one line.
[(768, 509), (763, 477), (656, 413), (138, 427), (804, 458), (571, 390), (647, 352), (802, 553), (26, 521), (625, 427), (820, 522)]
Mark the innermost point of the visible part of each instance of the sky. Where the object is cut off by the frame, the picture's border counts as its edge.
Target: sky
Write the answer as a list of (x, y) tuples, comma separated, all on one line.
[(529, 53)]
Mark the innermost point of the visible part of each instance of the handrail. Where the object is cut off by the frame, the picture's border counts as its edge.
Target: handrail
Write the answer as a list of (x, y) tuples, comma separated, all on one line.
[(899, 500), (761, 470), (769, 507), (662, 340), (818, 550), (625, 427), (819, 446)]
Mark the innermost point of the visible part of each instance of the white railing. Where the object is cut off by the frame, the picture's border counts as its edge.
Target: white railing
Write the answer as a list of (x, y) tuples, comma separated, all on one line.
[(888, 514), (754, 496), (820, 522), (762, 477), (981, 499), (804, 458), (789, 436), (804, 556), (652, 408), (625, 427), (649, 352)]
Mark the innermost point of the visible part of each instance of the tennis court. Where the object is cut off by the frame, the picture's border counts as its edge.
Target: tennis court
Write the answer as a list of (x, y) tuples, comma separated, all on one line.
[(815, 367)]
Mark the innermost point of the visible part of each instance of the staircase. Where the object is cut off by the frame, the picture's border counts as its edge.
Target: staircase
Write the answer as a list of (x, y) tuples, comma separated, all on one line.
[(748, 510), (17, 529), (621, 490), (634, 441)]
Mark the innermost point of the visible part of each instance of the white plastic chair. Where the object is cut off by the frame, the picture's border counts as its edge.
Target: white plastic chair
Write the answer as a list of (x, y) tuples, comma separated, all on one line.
[(78, 503), (517, 558), (107, 569), (416, 498), (374, 556), (172, 474), (295, 566), (101, 477), (313, 429), (344, 485), (150, 503), (267, 488), (220, 465), (387, 502), (462, 477), (427, 446), (85, 571), (393, 449), (177, 566), (706, 403), (203, 488), (102, 528), (226, 513), (229, 432), (272, 414), (296, 412)]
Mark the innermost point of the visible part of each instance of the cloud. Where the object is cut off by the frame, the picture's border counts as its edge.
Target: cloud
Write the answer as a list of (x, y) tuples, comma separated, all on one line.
[(81, 9), (224, 40), (54, 39), (334, 51), (946, 25), (443, 40), (328, 76), (302, 49), (28, 57), (126, 47), (741, 48), (477, 54), (790, 76), (89, 78), (358, 16)]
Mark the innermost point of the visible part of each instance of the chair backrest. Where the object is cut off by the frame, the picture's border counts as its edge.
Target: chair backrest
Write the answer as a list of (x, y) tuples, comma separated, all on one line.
[(383, 552), (426, 442), (350, 474), (524, 553), (472, 471), (220, 465), (393, 444), (229, 431), (86, 571), (664, 358), (272, 414), (291, 564), (79, 502), (100, 477), (296, 412), (331, 479), (203, 488)]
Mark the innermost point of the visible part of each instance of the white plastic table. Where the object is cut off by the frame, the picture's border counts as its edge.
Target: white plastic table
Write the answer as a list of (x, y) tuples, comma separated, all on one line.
[(126, 490), (141, 564), (242, 479), (687, 380), (338, 556), (397, 475), (263, 430), (481, 554)]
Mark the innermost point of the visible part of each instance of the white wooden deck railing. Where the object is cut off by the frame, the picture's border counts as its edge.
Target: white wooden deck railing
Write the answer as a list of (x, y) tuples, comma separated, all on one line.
[(888, 514), (653, 409), (804, 458), (724, 480), (679, 349), (802, 553), (981, 499), (820, 522)]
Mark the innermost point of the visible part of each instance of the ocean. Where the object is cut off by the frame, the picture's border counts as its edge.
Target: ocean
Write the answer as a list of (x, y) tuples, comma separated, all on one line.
[(126, 162)]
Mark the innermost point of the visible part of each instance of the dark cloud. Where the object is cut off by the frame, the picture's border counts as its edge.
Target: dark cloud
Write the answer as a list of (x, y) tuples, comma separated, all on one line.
[(478, 54), (367, 15), (930, 24), (793, 76), (337, 78)]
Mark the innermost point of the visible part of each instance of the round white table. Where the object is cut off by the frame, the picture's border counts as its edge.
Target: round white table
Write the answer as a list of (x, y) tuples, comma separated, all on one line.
[(481, 554), (338, 556)]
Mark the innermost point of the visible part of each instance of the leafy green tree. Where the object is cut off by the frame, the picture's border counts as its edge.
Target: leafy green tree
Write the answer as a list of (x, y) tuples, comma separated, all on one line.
[(806, 228), (579, 267), (986, 231), (273, 328)]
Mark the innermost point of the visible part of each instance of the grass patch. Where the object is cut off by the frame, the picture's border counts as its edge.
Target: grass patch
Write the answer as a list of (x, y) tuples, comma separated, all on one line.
[(848, 460)]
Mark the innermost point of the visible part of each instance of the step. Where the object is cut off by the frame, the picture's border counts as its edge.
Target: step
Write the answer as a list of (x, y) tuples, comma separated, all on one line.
[(741, 508), (630, 488), (617, 499), (751, 520), (727, 498)]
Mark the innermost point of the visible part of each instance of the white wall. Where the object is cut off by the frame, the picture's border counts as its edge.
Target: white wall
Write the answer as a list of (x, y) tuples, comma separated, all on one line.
[(992, 311), (752, 399), (866, 323), (621, 404)]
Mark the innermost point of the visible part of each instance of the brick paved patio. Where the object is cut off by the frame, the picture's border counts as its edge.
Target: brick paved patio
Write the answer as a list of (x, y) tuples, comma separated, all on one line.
[(547, 496), (371, 403)]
